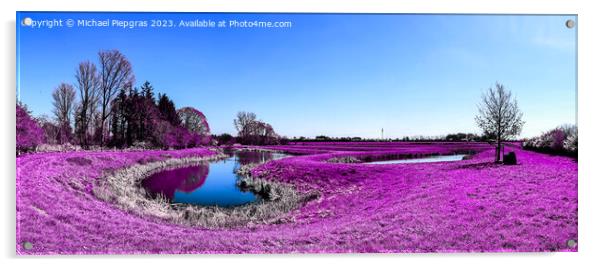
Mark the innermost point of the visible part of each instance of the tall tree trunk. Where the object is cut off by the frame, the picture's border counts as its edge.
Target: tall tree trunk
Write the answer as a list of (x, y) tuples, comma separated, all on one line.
[(102, 126), (498, 150), (83, 127)]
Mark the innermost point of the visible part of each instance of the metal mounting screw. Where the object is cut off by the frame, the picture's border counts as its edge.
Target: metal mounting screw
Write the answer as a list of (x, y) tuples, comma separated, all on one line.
[(570, 23), (571, 243), (27, 245)]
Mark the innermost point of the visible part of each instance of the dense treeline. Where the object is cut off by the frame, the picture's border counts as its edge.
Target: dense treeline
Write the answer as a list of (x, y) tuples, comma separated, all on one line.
[(139, 120), (103, 108)]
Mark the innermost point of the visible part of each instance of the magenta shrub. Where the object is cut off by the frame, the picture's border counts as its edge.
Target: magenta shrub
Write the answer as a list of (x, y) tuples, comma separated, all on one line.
[(29, 133), (179, 137), (560, 140)]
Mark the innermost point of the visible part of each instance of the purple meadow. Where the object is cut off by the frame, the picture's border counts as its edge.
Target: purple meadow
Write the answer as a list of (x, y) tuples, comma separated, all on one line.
[(471, 205)]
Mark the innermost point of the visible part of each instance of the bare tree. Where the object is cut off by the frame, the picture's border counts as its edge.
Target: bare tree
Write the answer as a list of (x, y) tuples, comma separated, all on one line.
[(115, 73), (499, 116), (87, 84), (242, 122), (254, 131), (63, 98)]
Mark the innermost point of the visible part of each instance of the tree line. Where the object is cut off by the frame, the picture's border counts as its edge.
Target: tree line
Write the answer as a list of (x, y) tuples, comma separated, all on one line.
[(103, 108), (111, 112)]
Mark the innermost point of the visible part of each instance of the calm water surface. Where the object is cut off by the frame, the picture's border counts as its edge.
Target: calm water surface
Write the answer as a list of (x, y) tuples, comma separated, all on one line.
[(209, 184), (422, 160)]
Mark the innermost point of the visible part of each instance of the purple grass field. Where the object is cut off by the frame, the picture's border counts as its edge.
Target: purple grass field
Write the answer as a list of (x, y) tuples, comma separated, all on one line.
[(471, 205)]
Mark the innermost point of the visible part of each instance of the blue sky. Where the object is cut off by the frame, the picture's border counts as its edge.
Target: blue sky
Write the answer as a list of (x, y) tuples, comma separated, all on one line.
[(339, 75)]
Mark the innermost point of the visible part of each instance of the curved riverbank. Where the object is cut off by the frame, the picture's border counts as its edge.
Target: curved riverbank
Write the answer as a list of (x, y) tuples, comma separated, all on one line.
[(123, 188)]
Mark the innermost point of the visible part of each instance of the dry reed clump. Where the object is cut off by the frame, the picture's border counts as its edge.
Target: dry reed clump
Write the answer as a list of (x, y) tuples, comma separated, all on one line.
[(123, 189), (348, 159)]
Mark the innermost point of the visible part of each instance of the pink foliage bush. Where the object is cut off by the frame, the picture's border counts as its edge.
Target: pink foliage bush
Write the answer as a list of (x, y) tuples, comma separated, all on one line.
[(561, 140), (29, 133), (179, 137)]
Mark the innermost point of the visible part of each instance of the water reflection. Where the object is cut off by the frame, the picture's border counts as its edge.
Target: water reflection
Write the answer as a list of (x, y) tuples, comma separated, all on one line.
[(185, 179), (208, 184), (443, 158), (254, 157)]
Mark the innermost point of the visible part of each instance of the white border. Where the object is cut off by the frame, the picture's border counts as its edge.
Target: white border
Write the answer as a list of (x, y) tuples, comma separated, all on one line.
[(589, 122)]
